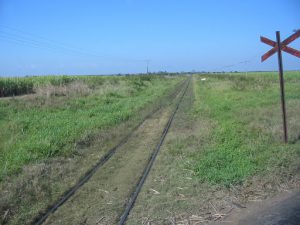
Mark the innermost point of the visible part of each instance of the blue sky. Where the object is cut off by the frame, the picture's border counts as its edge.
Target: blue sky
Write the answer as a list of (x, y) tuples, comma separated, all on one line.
[(117, 36)]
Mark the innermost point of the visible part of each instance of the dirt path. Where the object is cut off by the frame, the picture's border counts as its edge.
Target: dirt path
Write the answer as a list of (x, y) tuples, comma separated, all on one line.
[(104, 196), (283, 209)]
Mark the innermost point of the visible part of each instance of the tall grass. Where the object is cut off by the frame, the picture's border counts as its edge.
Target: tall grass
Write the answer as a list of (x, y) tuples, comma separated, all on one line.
[(15, 86), (26, 85)]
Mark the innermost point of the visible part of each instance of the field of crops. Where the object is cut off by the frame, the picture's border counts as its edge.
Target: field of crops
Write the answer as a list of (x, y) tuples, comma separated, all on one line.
[(64, 110)]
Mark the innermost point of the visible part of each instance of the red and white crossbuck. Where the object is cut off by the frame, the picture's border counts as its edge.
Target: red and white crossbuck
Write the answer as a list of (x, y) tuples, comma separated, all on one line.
[(283, 44)]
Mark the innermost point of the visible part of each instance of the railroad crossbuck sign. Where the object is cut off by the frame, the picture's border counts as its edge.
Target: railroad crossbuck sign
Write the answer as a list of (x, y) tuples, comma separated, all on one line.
[(283, 46), (279, 46)]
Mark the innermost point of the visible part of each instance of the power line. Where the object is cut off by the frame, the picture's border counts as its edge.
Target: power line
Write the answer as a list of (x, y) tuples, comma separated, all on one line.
[(46, 41), (27, 38), (41, 37), (244, 62), (35, 43)]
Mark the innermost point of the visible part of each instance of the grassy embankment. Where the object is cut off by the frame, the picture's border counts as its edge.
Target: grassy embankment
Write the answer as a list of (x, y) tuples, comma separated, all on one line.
[(247, 134), (66, 110)]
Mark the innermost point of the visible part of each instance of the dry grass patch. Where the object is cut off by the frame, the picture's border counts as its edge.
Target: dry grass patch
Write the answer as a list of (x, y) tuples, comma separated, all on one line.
[(72, 89)]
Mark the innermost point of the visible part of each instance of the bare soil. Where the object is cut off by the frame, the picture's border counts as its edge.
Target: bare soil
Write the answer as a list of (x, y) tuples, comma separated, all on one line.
[(282, 209)]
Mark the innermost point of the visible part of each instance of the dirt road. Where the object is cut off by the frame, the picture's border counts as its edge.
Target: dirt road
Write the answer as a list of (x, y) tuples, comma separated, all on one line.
[(284, 209)]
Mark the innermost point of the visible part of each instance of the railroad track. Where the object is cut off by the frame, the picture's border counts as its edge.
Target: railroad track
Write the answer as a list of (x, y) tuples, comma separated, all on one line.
[(85, 178), (148, 167)]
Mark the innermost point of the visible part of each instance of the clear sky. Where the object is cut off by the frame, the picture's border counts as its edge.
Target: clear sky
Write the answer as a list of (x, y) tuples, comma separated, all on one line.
[(39, 37)]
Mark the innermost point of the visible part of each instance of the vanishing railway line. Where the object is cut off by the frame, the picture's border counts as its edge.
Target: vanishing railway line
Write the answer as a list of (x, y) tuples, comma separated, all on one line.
[(147, 169), (182, 88)]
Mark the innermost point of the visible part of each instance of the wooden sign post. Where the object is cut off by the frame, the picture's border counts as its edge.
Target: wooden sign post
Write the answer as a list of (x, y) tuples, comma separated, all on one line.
[(279, 46)]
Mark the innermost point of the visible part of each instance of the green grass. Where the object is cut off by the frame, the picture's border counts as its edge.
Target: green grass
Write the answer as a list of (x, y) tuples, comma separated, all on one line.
[(38, 127), (246, 137)]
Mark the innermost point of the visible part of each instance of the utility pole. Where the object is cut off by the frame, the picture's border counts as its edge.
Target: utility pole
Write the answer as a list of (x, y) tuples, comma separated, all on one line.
[(245, 64), (147, 61)]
